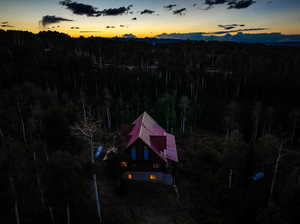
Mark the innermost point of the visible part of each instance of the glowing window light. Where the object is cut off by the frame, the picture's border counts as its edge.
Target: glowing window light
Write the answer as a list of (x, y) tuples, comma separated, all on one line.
[(123, 164), (129, 176), (152, 177)]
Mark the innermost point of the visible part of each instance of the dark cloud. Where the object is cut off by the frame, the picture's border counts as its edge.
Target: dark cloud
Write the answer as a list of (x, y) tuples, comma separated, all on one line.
[(110, 27), (252, 29), (6, 26), (129, 36), (116, 11), (75, 28), (230, 26), (180, 11), (242, 4), (203, 34), (170, 7), (232, 4), (226, 27), (147, 11), (46, 20), (211, 3), (80, 9), (134, 18), (236, 31), (89, 10), (215, 2)]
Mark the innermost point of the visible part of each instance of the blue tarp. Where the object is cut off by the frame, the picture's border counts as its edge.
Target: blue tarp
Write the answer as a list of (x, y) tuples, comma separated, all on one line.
[(258, 176), (99, 151)]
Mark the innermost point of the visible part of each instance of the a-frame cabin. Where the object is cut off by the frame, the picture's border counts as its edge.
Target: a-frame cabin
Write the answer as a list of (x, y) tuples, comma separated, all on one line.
[(150, 152)]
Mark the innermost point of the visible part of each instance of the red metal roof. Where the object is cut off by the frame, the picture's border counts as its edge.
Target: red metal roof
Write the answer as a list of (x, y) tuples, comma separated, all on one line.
[(146, 129)]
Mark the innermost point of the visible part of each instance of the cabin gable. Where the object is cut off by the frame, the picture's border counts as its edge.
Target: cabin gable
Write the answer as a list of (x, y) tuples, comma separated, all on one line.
[(154, 136), (142, 152)]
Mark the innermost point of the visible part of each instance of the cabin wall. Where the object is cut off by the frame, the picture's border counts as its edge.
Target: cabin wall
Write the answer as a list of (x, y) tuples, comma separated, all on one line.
[(139, 146), (140, 161)]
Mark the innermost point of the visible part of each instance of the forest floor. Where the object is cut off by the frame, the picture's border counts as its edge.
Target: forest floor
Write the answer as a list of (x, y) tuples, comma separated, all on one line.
[(144, 203)]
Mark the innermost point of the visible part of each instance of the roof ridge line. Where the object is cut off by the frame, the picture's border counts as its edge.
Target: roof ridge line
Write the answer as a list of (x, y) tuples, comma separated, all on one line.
[(154, 121), (139, 135)]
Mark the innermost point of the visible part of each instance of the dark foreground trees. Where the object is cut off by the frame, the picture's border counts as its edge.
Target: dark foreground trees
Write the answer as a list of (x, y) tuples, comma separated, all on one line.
[(231, 106)]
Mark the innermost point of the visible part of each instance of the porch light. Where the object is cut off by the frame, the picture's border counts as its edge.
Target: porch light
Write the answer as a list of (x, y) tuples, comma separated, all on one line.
[(152, 177), (129, 176)]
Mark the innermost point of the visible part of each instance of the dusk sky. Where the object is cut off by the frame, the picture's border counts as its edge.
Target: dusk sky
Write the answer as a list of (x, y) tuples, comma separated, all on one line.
[(152, 18)]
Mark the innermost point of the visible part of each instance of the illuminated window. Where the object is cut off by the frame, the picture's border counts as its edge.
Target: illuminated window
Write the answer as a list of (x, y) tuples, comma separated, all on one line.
[(123, 164), (152, 177), (129, 176)]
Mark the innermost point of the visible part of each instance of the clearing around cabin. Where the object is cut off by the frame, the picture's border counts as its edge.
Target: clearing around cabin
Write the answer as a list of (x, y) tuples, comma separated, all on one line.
[(144, 203)]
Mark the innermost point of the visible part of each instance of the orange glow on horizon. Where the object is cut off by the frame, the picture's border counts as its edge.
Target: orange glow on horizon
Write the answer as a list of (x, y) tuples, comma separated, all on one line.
[(140, 33), (279, 17)]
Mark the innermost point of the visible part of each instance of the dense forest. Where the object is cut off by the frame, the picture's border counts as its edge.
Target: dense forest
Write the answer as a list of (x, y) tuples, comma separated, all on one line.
[(233, 107)]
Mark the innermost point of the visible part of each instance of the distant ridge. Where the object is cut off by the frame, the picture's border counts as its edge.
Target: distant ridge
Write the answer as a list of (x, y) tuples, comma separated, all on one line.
[(271, 39), (172, 41), (238, 37)]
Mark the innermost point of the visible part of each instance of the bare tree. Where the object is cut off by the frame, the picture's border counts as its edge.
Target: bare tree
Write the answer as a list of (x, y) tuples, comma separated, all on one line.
[(19, 109), (13, 188), (281, 153), (87, 130), (184, 105), (256, 119), (51, 214), (275, 171), (230, 179), (294, 116), (1, 135), (16, 206), (68, 213), (34, 127), (230, 118), (268, 123), (107, 103)]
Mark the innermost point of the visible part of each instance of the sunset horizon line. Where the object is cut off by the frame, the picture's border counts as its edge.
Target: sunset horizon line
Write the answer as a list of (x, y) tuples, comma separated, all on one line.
[(100, 34)]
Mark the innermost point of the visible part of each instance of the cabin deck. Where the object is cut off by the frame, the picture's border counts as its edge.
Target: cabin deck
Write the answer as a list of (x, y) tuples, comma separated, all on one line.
[(155, 177)]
